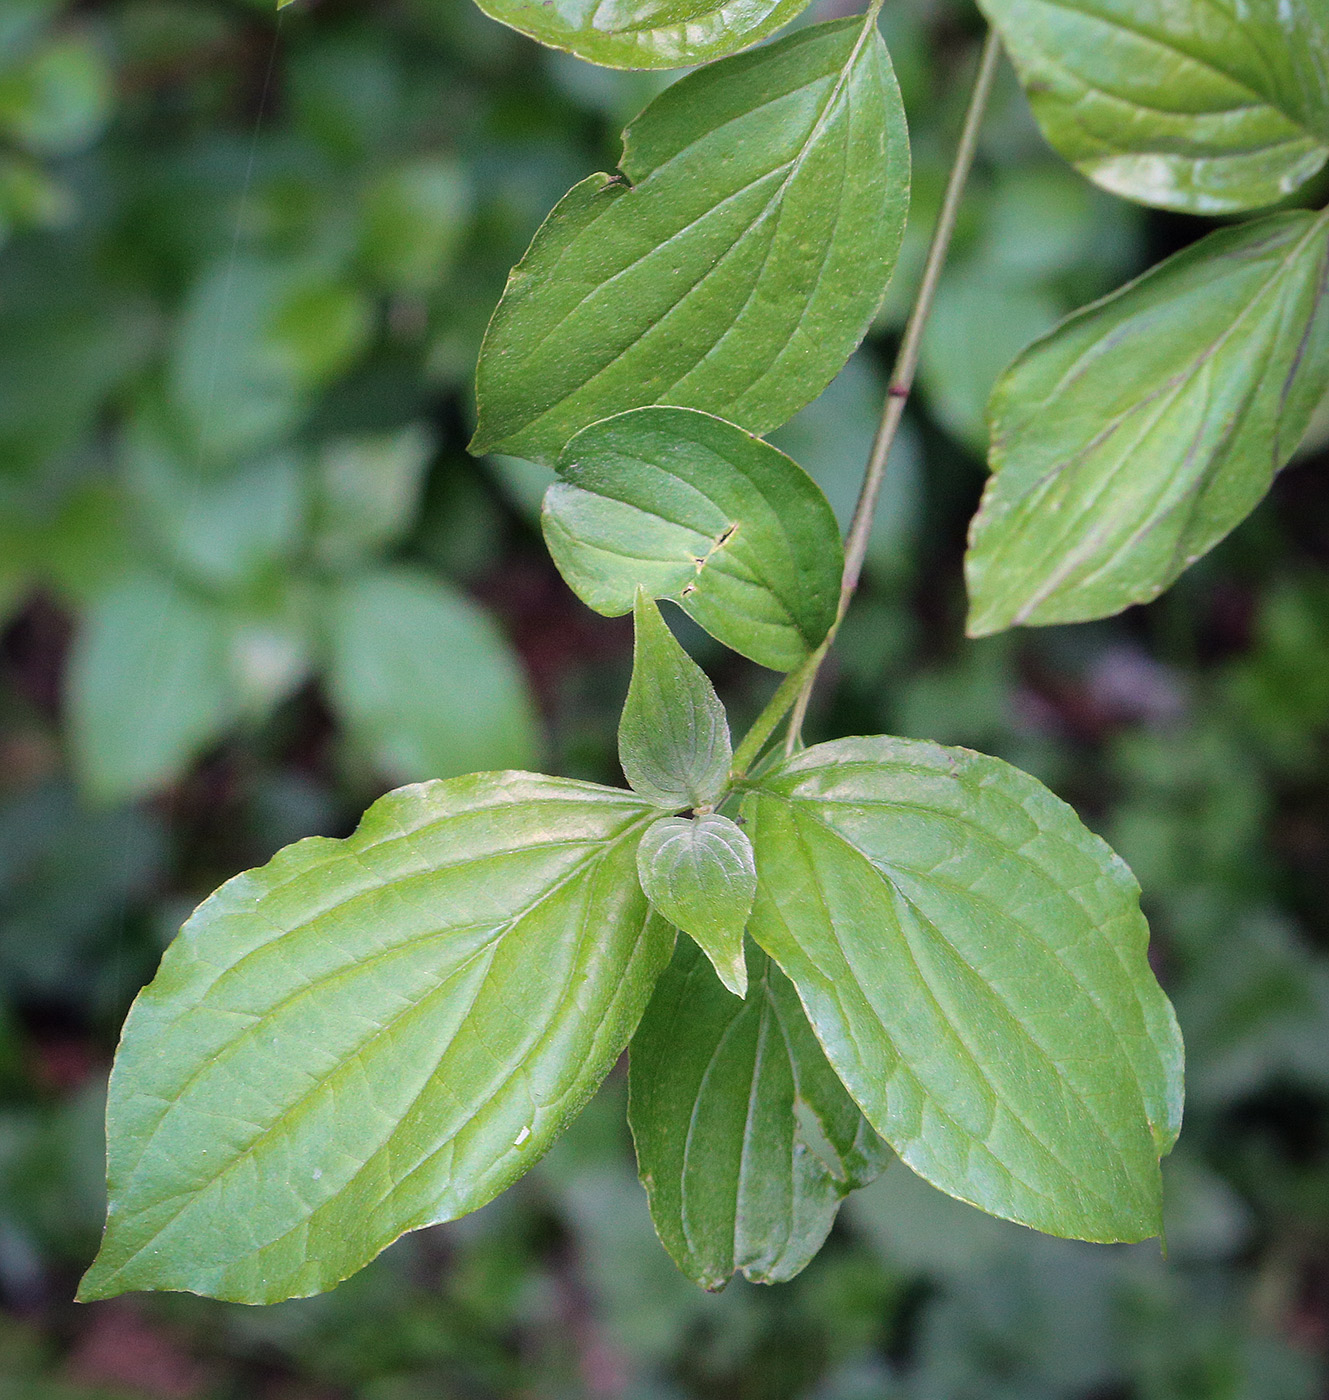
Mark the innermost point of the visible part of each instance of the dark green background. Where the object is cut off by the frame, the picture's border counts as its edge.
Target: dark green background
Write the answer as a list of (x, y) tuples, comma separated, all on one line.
[(282, 238)]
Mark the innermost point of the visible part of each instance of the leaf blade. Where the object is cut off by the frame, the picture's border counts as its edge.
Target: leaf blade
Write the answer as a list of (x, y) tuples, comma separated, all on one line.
[(735, 274), (1200, 106), (475, 952), (424, 677), (694, 509), (673, 738), (1133, 437), (699, 874), (746, 1141), (645, 33), (966, 951)]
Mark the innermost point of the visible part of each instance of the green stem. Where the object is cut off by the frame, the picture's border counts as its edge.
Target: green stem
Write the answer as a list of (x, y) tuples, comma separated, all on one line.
[(902, 378), (776, 709)]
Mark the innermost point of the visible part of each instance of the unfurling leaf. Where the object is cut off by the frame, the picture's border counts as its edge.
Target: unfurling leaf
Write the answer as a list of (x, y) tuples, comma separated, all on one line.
[(699, 874), (736, 267), (691, 508), (746, 1140), (1132, 439), (1207, 106), (974, 963), (646, 33), (372, 1035), (673, 739)]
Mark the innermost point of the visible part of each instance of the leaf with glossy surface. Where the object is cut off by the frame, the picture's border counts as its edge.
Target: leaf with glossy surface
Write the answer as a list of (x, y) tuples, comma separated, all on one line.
[(149, 687), (734, 271), (367, 1036), (974, 962), (746, 1140), (673, 738), (1207, 106), (646, 33), (1132, 439), (693, 509), (698, 872), (424, 677)]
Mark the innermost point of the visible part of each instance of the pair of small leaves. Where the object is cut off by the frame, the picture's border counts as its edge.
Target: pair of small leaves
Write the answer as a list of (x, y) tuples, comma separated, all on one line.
[(1206, 106), (735, 268), (675, 749), (1133, 437), (372, 1035)]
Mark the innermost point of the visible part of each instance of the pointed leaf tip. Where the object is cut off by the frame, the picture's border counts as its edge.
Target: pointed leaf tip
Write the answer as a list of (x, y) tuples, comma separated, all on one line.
[(673, 739)]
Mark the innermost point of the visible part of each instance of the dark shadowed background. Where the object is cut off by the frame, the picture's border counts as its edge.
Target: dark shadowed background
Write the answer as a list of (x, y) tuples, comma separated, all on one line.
[(249, 579)]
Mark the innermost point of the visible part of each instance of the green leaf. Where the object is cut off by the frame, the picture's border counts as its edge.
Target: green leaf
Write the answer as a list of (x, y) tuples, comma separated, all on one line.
[(673, 738), (424, 677), (646, 33), (367, 1036), (974, 963), (256, 338), (693, 509), (733, 270), (746, 1140), (1131, 439), (1207, 106), (149, 687), (699, 874), (367, 491)]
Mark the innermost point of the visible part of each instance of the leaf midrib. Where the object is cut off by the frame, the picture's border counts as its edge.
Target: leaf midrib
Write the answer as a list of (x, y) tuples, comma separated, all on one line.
[(500, 931)]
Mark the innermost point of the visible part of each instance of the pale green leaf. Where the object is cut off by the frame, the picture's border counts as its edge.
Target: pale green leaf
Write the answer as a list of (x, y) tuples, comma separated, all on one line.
[(974, 963), (1132, 439), (646, 33), (673, 738), (693, 509), (746, 1140), (1208, 106), (366, 492), (149, 688), (367, 1036), (736, 266), (424, 678), (698, 872)]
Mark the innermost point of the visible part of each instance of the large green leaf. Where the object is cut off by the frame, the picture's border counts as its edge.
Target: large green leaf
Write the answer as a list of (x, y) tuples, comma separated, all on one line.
[(367, 1036), (698, 872), (975, 965), (149, 686), (1208, 106), (746, 1140), (733, 269), (693, 509), (1133, 438), (673, 738), (424, 677), (646, 33)]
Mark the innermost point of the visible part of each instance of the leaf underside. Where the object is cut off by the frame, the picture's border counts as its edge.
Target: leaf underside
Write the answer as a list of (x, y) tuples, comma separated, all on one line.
[(1205, 106), (974, 963), (746, 1140), (694, 509), (734, 271), (367, 1036), (646, 33), (698, 873), (1130, 440)]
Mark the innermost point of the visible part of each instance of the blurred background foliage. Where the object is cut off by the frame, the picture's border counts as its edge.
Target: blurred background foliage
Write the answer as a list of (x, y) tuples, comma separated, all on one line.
[(249, 579)]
